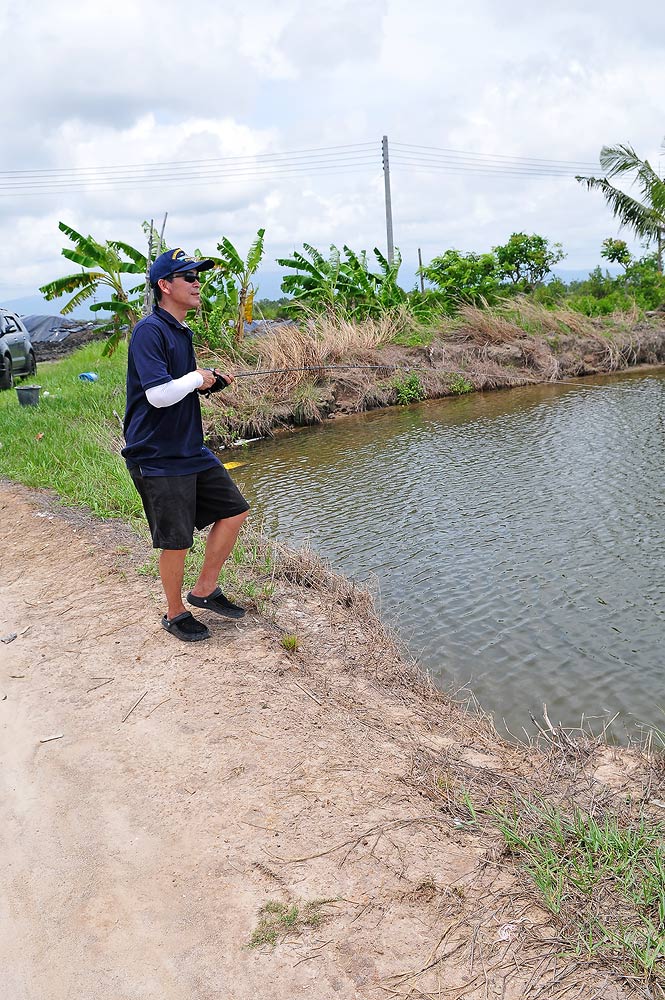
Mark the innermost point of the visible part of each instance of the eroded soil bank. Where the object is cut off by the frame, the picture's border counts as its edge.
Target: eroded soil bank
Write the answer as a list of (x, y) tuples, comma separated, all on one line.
[(483, 351), (155, 797)]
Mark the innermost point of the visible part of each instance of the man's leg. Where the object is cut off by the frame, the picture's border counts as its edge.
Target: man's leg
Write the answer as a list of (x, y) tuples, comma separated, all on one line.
[(172, 572), (221, 539)]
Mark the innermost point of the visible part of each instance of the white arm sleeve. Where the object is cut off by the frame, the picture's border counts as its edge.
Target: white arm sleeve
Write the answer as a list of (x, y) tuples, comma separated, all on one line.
[(172, 392)]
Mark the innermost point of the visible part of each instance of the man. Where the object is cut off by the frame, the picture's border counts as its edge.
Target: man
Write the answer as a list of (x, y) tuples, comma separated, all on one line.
[(181, 483)]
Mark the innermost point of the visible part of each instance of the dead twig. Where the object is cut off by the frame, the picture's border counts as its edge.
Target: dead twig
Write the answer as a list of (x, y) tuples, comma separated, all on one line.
[(156, 707), (396, 825), (137, 702), (308, 693), (104, 680)]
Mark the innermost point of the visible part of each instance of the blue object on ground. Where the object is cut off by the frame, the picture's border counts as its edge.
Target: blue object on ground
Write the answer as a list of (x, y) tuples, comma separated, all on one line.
[(88, 376)]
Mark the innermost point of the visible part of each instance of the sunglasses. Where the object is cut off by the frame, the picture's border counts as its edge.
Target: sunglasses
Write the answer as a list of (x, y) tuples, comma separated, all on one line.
[(189, 276)]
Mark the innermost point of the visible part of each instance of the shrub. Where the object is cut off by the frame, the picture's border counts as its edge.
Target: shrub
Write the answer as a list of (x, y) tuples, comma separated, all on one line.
[(408, 389), (459, 385)]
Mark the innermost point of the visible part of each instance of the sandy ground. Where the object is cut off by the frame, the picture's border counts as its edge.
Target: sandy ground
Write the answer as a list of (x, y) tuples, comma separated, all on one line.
[(154, 796)]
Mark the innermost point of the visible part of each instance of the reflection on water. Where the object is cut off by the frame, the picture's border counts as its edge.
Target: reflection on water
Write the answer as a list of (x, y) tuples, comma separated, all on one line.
[(516, 537)]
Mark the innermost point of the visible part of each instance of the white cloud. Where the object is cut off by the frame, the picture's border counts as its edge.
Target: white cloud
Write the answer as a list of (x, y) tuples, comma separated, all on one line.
[(99, 86)]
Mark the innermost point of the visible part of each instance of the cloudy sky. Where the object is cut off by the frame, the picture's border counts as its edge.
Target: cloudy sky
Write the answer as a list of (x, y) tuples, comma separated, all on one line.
[(233, 116)]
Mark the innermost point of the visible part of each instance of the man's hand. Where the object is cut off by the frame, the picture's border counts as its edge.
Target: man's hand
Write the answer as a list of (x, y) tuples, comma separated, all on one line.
[(213, 381), (208, 378)]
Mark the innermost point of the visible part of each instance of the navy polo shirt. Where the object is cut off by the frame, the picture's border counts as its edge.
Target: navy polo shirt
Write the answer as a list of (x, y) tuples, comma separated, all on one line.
[(162, 441)]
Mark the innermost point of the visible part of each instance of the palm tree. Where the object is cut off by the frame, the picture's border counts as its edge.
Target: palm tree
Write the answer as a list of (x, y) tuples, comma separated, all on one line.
[(105, 266), (647, 217)]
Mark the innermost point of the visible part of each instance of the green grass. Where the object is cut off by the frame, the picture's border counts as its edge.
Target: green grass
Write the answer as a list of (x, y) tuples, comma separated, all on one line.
[(290, 643), (603, 880), (460, 385), (280, 920), (248, 571), (70, 442)]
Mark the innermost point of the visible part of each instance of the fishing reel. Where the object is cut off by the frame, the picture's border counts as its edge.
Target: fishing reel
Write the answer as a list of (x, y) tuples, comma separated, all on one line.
[(220, 383)]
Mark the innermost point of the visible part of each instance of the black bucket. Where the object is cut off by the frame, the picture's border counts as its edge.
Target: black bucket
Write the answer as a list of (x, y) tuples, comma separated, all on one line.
[(28, 395)]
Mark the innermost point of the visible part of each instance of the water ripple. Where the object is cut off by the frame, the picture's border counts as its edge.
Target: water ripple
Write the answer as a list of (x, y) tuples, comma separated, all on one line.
[(516, 537)]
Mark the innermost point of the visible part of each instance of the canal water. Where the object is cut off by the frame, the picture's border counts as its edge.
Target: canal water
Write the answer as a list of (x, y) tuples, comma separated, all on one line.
[(515, 539)]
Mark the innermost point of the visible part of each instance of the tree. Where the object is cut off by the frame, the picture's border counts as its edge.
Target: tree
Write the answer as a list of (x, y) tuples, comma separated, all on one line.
[(343, 282), (233, 278), (646, 218), (315, 281), (525, 260), (463, 278), (106, 267), (156, 246), (616, 251)]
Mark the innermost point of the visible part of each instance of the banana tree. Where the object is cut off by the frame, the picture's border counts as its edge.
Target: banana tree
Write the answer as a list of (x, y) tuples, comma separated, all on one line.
[(103, 266), (156, 246), (233, 278), (647, 217), (315, 282), (343, 283)]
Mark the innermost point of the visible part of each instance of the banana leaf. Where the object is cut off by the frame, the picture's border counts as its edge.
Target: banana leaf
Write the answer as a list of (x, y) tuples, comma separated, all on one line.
[(138, 259), (230, 256), (255, 253), (71, 283)]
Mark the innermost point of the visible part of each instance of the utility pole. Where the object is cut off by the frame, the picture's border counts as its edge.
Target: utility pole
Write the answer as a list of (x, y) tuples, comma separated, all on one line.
[(420, 268), (389, 208)]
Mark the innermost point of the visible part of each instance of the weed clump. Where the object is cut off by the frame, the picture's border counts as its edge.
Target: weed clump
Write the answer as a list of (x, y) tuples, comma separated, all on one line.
[(603, 880), (278, 920), (408, 389)]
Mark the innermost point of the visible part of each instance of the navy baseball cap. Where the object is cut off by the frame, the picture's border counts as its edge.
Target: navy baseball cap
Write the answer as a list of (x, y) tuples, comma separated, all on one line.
[(172, 261)]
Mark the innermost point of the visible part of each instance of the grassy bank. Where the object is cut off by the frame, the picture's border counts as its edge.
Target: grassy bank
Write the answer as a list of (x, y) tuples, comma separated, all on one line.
[(71, 441)]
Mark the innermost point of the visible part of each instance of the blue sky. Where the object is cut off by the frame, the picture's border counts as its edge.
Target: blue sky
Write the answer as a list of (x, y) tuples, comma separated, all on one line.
[(99, 88)]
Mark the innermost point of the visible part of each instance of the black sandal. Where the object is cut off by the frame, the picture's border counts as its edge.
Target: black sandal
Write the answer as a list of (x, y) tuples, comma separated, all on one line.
[(218, 603), (186, 627)]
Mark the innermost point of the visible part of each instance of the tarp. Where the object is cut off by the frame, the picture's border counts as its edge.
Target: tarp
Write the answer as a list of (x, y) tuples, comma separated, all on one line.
[(54, 329)]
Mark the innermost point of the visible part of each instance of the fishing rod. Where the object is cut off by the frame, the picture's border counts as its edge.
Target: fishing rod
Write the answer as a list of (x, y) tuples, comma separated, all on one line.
[(221, 382), (502, 377), (316, 368)]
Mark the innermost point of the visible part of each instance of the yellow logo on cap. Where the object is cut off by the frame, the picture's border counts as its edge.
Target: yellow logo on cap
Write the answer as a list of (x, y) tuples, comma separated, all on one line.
[(180, 255)]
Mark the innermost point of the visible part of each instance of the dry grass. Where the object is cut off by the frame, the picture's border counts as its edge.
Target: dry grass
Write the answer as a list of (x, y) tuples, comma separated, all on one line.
[(254, 406), (484, 325), (319, 342), (513, 319), (514, 343), (534, 318)]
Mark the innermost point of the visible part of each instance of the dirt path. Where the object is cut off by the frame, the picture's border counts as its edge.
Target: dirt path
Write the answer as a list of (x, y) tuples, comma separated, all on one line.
[(188, 787)]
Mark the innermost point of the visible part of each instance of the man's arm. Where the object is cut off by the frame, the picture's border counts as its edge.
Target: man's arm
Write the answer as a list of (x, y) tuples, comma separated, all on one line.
[(169, 393)]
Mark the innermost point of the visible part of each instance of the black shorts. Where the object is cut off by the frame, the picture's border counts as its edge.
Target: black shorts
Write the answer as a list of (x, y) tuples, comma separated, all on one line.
[(175, 505)]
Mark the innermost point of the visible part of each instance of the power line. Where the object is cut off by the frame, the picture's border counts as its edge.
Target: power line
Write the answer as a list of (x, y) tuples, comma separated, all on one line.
[(499, 157), (313, 153), (349, 158), (37, 185), (479, 168)]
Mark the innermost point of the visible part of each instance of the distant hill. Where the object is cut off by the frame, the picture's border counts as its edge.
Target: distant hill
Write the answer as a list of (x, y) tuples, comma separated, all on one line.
[(35, 305)]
